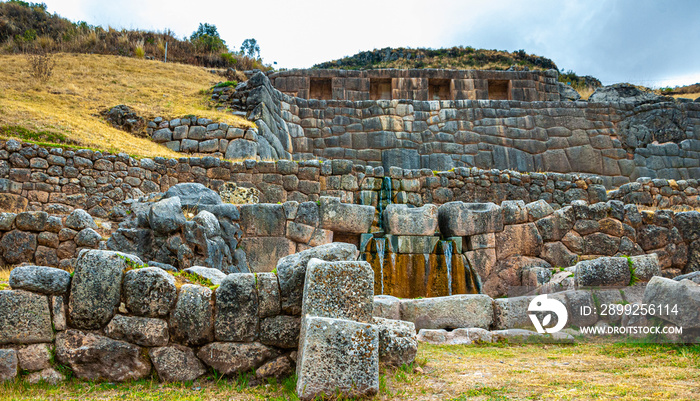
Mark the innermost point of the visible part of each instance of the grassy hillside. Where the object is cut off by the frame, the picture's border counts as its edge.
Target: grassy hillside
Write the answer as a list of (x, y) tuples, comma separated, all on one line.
[(66, 109), (452, 58), (28, 27)]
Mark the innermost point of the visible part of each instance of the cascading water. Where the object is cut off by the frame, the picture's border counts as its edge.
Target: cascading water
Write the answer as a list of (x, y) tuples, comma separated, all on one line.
[(447, 247), (380, 242)]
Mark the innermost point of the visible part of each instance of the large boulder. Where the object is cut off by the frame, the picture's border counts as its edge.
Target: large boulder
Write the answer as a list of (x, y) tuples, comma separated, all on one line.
[(176, 363), (263, 220), (149, 292), (458, 219), (143, 331), (399, 219), (518, 240), (95, 357), (338, 357), (345, 217), (34, 357), (25, 318), (96, 287), (236, 316), (387, 307), (623, 93), (291, 271), (41, 279), (191, 320), (397, 342), (165, 216), (681, 296), (193, 195), (566, 92), (607, 271), (230, 358), (449, 312)]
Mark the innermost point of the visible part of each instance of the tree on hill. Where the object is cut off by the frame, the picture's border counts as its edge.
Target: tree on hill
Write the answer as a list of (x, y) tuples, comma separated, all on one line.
[(250, 48), (206, 38)]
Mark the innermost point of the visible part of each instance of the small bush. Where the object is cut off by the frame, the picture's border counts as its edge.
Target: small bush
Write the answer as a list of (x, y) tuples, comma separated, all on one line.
[(225, 84), (41, 66)]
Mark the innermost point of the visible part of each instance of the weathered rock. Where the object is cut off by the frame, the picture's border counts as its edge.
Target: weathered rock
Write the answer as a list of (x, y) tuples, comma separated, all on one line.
[(345, 217), (433, 336), (236, 316), (8, 364), (449, 312), (95, 357), (338, 357), (339, 290), (7, 220), (280, 331), (191, 320), (176, 363), (263, 253), (41, 279), (143, 331), (685, 295), (556, 225), (606, 271), (268, 294), (557, 254), (215, 276), (34, 357), (18, 246), (397, 342), (149, 292), (623, 93), (24, 318), (458, 219), (566, 92), (231, 358), (31, 221), (263, 220), (79, 219), (646, 266), (600, 244), (399, 219), (688, 224), (291, 271), (514, 212), (279, 368), (538, 210), (58, 312), (165, 216), (694, 277), (48, 376), (88, 238), (518, 239), (96, 287), (193, 195), (512, 312), (535, 276), (387, 307)]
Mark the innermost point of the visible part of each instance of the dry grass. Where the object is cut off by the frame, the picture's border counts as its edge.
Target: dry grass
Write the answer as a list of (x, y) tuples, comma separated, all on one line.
[(692, 96), (4, 275), (492, 372), (84, 85)]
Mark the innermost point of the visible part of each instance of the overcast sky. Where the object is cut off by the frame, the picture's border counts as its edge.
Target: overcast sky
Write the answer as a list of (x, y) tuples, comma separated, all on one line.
[(652, 43)]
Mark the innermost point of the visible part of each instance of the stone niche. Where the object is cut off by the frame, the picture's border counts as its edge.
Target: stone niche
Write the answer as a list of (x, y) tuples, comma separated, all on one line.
[(439, 89), (380, 88), (500, 89), (320, 88)]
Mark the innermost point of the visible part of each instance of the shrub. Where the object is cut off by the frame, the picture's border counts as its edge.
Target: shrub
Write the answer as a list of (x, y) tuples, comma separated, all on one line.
[(41, 66)]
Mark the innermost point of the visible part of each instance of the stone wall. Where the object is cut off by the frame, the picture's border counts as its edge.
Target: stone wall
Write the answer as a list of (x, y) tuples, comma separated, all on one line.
[(58, 181), (424, 84), (620, 141)]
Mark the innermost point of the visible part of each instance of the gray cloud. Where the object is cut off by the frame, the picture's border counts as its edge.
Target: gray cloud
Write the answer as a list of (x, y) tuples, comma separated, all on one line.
[(641, 41)]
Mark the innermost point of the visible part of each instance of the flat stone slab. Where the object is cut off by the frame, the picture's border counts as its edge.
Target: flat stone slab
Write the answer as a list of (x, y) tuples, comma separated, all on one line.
[(459, 219), (473, 310), (41, 279), (399, 219), (338, 357)]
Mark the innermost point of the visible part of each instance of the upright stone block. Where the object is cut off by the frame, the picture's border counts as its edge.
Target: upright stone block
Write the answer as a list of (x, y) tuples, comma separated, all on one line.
[(237, 316), (191, 320), (338, 356), (24, 318), (458, 219), (402, 220)]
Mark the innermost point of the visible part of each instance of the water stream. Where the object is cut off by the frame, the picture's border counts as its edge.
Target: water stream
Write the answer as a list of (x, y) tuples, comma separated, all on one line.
[(380, 254), (447, 247)]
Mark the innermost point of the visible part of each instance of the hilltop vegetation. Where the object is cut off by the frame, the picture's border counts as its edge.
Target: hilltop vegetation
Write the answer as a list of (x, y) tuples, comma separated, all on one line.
[(451, 58), (29, 27), (66, 109)]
